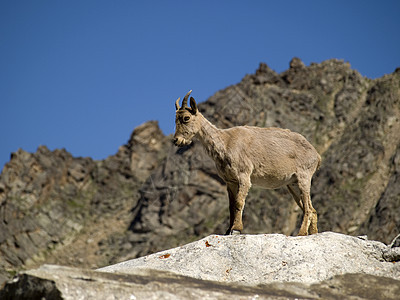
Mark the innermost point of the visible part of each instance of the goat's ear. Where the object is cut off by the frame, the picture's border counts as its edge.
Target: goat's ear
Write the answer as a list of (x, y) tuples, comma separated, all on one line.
[(193, 105)]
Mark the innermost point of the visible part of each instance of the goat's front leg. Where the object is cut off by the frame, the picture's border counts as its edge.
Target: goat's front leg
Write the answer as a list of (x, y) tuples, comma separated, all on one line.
[(237, 193)]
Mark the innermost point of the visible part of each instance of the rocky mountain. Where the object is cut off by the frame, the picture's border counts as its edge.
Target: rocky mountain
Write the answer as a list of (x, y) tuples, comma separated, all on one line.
[(150, 195)]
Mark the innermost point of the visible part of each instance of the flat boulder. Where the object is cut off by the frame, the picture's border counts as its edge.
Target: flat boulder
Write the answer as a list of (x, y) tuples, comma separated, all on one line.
[(65, 283), (266, 258)]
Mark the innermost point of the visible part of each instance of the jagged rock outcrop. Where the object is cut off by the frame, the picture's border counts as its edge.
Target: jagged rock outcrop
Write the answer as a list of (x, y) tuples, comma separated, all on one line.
[(151, 196), (57, 208), (323, 266)]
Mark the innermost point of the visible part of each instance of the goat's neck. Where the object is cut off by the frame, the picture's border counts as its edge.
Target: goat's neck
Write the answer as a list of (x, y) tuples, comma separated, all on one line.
[(211, 138)]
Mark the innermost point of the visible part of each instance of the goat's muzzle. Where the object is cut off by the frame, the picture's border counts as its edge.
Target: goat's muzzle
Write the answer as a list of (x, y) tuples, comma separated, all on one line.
[(180, 141)]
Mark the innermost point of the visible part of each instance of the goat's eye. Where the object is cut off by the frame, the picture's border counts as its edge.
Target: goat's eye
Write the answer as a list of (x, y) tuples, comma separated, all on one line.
[(186, 119)]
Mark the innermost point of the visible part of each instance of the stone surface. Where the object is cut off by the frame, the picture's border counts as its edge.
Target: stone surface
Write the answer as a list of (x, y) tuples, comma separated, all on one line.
[(54, 282), (261, 259), (392, 252)]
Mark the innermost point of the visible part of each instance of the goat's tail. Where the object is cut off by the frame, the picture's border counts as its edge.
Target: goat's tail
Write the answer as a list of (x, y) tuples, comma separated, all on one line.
[(319, 161)]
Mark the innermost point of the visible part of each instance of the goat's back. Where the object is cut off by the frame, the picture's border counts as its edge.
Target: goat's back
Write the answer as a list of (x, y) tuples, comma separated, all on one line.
[(271, 148)]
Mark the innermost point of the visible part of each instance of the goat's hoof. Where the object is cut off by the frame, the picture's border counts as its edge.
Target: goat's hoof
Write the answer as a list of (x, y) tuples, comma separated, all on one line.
[(232, 232)]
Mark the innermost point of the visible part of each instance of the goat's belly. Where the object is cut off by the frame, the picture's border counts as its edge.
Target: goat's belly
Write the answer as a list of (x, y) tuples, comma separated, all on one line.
[(272, 182)]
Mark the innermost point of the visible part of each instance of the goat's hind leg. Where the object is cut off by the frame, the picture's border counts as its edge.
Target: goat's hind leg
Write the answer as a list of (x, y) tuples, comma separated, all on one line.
[(309, 224), (295, 192), (314, 220), (312, 228)]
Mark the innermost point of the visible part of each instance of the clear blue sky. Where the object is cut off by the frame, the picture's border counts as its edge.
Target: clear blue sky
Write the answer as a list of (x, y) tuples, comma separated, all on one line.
[(82, 75)]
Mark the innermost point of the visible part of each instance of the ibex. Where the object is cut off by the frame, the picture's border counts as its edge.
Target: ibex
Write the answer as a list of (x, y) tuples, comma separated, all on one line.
[(244, 155)]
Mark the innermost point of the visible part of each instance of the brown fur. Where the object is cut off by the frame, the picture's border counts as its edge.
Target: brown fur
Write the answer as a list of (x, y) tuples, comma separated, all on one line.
[(245, 155)]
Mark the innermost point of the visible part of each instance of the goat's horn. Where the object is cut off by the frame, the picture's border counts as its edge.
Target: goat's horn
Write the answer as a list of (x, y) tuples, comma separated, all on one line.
[(177, 103), (185, 100)]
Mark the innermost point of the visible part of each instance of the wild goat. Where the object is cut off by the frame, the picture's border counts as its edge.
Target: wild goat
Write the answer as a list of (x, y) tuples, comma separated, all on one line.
[(245, 155)]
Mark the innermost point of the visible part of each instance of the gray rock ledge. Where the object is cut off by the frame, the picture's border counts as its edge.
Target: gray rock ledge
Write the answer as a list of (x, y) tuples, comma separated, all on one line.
[(267, 258), (57, 282)]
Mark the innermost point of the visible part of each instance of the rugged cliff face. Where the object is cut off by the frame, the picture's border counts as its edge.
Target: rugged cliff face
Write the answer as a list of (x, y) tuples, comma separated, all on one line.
[(58, 208), (151, 196)]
